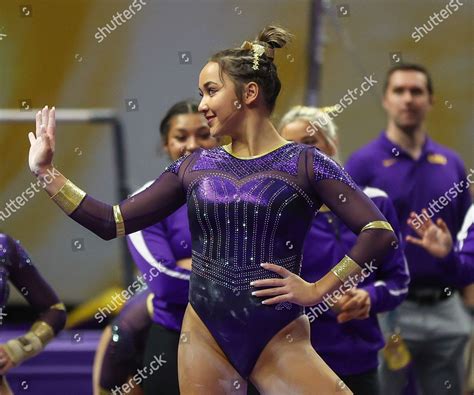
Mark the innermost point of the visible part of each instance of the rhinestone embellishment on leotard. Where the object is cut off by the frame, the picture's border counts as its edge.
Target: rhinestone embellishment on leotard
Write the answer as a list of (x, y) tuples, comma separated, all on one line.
[(174, 167), (283, 159), (326, 168), (243, 212)]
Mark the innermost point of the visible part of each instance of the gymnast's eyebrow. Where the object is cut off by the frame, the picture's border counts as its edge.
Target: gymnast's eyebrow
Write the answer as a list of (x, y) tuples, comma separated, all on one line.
[(207, 84)]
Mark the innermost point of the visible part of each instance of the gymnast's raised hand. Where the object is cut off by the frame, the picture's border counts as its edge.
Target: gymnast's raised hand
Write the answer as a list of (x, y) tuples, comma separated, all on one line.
[(42, 145), (42, 142)]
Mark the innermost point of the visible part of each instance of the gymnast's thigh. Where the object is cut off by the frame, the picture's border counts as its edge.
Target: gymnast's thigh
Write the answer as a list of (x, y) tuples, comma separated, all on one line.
[(290, 365), (4, 387), (203, 368), (99, 358)]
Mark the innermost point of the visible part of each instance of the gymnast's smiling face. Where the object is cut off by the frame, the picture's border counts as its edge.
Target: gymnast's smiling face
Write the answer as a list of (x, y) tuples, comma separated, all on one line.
[(219, 102)]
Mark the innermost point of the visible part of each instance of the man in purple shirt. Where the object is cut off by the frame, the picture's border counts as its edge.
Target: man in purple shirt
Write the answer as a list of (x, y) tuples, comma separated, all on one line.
[(418, 173)]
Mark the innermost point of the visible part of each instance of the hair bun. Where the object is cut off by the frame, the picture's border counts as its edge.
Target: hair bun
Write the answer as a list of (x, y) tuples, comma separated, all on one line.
[(274, 36)]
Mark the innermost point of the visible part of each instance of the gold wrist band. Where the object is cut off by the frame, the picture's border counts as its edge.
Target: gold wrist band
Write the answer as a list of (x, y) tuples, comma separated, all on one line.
[(69, 197), (44, 331), (377, 225), (345, 268), (58, 306), (23, 348), (30, 344), (119, 225)]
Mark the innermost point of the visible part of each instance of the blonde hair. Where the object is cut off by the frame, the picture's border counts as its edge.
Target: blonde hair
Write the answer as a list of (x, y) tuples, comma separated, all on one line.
[(318, 119)]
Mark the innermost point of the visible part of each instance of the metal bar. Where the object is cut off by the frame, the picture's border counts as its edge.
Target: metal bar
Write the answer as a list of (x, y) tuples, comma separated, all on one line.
[(314, 51), (63, 115)]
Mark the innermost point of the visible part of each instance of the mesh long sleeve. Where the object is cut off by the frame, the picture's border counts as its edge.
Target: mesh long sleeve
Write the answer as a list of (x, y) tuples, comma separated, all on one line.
[(139, 211), (392, 279), (34, 288), (333, 187)]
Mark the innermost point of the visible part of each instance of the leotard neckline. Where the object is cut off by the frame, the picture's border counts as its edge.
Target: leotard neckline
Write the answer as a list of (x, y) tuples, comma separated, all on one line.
[(227, 148)]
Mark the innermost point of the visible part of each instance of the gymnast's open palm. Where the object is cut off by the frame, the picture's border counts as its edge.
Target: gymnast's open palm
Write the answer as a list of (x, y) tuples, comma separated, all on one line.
[(42, 142)]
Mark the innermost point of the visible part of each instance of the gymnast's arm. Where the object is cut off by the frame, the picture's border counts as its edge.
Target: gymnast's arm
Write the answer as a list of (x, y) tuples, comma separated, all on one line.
[(376, 239), (40, 295), (152, 205)]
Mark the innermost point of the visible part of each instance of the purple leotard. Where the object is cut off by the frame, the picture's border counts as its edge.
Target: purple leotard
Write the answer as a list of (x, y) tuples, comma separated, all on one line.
[(244, 212), (17, 266)]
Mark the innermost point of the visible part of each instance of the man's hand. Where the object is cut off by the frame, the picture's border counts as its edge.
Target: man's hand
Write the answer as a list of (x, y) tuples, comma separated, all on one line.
[(434, 238)]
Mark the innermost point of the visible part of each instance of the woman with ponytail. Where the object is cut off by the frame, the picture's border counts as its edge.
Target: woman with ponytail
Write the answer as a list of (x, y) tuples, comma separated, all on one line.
[(250, 205)]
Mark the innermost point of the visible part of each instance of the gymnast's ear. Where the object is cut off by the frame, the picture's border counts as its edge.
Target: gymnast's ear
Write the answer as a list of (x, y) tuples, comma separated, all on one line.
[(251, 91)]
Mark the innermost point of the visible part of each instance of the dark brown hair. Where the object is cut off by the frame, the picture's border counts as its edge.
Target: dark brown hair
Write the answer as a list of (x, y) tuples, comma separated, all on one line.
[(237, 64), (182, 107), (409, 67)]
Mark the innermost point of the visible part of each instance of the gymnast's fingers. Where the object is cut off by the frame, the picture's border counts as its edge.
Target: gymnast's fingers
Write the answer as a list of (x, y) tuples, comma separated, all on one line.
[(270, 292), (277, 269), (268, 282), (31, 137), (277, 299)]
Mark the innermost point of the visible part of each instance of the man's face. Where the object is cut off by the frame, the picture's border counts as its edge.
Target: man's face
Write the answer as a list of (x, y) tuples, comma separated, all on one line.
[(407, 99)]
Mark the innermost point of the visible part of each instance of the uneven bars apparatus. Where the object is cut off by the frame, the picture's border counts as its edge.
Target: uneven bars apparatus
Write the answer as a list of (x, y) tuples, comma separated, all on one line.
[(318, 8), (94, 116)]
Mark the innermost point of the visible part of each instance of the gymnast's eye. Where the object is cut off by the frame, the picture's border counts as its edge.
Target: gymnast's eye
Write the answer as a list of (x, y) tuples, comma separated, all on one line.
[(204, 136), (310, 141)]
